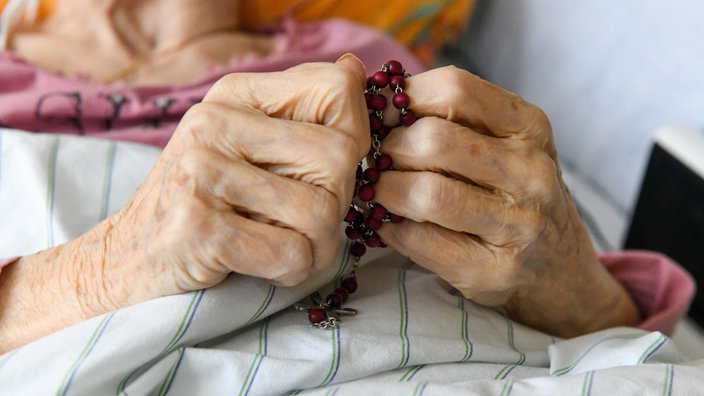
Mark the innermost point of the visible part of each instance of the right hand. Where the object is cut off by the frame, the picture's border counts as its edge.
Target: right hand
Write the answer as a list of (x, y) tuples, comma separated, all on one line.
[(255, 180)]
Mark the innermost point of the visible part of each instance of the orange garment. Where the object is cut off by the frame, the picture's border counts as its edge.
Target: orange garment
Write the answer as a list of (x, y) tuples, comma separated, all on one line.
[(45, 7), (423, 26)]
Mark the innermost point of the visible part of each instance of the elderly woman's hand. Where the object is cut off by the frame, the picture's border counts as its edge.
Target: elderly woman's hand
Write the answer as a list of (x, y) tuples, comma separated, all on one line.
[(479, 182), (255, 180)]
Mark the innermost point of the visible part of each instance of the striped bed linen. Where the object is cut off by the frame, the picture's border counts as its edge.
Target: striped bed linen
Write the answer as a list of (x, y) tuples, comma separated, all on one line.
[(413, 334)]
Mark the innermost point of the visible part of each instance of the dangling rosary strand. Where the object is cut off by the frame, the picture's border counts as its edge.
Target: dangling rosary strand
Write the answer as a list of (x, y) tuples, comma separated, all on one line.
[(364, 216)]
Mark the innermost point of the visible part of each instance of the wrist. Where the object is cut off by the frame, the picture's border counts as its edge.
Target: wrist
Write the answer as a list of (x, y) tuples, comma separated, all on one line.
[(571, 293), (573, 305)]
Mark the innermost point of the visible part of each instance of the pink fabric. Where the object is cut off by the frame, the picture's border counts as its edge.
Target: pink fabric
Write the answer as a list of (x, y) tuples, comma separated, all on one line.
[(32, 99), (6, 262), (662, 289)]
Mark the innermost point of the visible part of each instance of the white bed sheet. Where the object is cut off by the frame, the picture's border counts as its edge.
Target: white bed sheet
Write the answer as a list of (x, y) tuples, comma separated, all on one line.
[(412, 336)]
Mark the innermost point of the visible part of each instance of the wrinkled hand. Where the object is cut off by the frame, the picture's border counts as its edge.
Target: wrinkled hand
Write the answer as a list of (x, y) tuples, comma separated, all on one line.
[(479, 182), (255, 180)]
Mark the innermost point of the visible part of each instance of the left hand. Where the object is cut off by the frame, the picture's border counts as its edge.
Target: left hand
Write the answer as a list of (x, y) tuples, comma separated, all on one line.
[(478, 181)]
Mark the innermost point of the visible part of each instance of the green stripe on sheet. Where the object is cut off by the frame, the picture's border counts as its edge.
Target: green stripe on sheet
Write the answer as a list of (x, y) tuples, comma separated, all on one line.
[(166, 384), (68, 377), (410, 373), (652, 348), (669, 377), (258, 357), (587, 384), (567, 369), (507, 388), (335, 358), (464, 332), (512, 343), (418, 391), (183, 325), (403, 313), (264, 305)]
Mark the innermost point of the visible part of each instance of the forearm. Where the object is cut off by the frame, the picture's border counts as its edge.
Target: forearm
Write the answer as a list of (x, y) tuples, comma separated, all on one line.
[(50, 290)]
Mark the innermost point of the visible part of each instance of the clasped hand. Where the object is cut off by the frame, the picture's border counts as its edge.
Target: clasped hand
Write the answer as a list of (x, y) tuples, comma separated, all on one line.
[(257, 178)]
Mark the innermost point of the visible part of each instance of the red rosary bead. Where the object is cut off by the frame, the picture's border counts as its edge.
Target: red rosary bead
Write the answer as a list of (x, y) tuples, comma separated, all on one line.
[(408, 118), (379, 79), (383, 163), (375, 122), (395, 68), (372, 223), (334, 300), (373, 240), (394, 218), (377, 212), (366, 193), (350, 284), (352, 215), (400, 101), (361, 229), (353, 232), (397, 82), (376, 102), (316, 315), (371, 175), (358, 249), (344, 293), (383, 132)]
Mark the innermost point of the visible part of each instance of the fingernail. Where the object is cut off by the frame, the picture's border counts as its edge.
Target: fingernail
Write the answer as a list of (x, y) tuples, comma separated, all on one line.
[(348, 56)]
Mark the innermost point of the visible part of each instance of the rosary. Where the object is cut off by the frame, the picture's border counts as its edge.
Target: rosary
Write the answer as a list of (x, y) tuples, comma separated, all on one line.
[(365, 217)]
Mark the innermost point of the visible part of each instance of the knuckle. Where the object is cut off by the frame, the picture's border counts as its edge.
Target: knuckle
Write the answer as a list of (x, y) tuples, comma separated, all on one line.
[(201, 123), (193, 168), (345, 154), (297, 260), (343, 78), (428, 139), (428, 194), (543, 178), (325, 216), (223, 87), (452, 81)]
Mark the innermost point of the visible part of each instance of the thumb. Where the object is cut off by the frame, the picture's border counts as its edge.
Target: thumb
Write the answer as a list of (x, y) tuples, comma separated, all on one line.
[(352, 63)]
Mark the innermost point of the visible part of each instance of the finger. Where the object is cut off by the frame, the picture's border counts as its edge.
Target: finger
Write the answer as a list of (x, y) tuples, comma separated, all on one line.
[(428, 197), (459, 96), (318, 93), (438, 145), (244, 246), (355, 66), (301, 151), (463, 261), (269, 198)]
